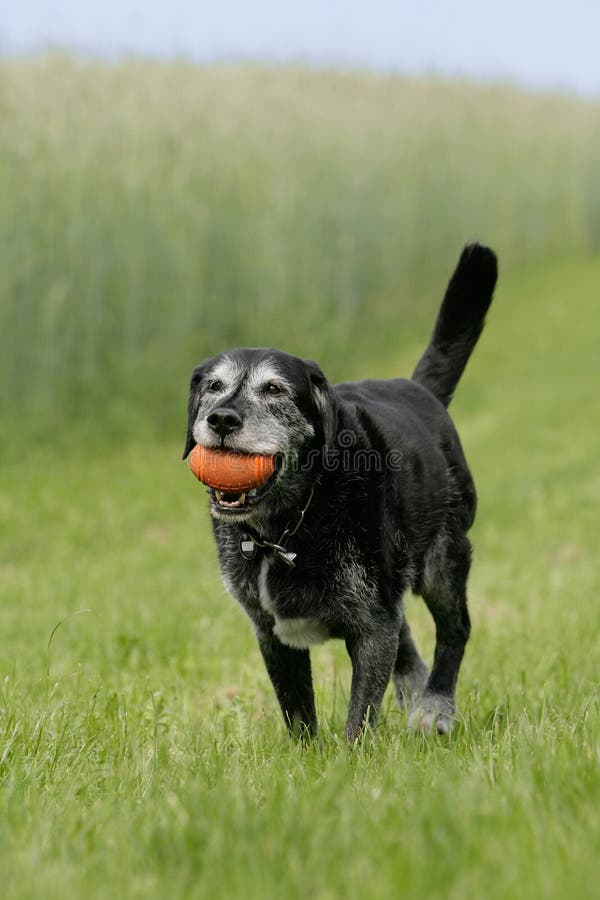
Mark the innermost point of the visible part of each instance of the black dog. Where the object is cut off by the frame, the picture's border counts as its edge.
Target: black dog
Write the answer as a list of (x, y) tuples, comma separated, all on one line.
[(371, 496)]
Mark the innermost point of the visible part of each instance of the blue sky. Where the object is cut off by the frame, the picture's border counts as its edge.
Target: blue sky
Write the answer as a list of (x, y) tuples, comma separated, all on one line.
[(539, 44)]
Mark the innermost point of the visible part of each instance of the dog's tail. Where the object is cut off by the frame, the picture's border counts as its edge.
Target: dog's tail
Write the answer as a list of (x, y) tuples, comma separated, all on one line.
[(459, 322)]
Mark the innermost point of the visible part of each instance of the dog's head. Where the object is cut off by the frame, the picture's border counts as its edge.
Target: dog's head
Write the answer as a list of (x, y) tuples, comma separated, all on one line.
[(262, 401)]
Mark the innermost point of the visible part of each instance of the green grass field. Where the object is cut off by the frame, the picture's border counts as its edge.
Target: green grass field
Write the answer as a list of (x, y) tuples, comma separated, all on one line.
[(152, 214), (141, 753)]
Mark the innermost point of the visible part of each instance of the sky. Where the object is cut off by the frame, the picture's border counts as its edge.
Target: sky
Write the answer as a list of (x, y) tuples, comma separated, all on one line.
[(548, 45)]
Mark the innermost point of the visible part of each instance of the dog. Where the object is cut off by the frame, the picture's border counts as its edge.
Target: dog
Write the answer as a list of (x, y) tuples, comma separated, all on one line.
[(371, 496)]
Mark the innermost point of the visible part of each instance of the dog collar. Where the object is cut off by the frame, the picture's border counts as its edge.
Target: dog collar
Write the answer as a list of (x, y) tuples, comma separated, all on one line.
[(250, 540)]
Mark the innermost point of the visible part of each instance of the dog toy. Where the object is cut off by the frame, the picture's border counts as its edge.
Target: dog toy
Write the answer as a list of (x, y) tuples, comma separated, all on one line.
[(226, 470)]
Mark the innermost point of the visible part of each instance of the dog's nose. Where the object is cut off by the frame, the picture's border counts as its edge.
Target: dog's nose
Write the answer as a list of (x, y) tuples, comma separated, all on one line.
[(224, 421)]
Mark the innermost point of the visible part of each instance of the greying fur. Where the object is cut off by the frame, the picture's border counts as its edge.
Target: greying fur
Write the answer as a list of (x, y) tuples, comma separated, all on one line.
[(371, 493)]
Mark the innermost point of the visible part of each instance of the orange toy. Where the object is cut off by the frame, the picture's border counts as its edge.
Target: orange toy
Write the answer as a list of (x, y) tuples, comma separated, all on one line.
[(226, 470)]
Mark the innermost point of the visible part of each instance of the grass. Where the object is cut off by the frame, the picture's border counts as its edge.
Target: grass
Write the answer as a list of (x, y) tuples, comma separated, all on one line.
[(153, 214), (141, 752)]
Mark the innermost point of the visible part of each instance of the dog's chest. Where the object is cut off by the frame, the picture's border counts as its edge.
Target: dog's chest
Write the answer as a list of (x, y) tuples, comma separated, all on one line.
[(297, 631), (327, 594)]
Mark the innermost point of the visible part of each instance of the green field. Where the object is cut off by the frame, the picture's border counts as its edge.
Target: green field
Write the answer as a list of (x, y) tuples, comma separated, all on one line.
[(153, 214), (141, 751)]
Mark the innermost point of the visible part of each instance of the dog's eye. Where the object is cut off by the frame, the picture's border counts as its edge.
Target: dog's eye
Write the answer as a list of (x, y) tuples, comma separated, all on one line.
[(273, 389), (215, 385)]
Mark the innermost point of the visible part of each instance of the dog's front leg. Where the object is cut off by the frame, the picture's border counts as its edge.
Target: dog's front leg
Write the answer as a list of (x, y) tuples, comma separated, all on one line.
[(290, 673), (372, 657)]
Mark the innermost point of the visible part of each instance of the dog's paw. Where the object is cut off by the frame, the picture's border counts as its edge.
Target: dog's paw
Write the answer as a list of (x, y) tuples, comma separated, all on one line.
[(435, 713)]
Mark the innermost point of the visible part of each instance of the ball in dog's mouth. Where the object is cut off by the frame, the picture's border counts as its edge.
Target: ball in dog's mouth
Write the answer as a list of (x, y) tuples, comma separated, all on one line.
[(237, 481)]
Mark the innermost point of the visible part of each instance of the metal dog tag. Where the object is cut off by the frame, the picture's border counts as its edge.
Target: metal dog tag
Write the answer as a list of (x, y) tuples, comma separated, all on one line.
[(288, 558), (247, 547)]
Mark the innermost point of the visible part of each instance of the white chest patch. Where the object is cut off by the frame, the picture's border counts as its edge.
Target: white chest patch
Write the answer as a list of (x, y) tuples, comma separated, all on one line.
[(266, 601), (299, 633)]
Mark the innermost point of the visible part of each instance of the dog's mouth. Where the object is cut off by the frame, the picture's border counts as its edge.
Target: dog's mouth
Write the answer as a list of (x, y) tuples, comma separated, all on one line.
[(227, 504)]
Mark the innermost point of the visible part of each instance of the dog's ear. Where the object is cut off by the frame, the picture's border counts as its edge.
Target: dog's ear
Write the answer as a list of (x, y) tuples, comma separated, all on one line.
[(324, 402), (194, 404)]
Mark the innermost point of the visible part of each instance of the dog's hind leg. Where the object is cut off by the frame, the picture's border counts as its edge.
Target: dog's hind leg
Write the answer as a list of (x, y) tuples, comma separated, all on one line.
[(443, 588), (290, 673), (410, 671)]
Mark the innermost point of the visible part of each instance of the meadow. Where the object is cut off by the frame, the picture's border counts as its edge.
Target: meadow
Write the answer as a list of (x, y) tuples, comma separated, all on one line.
[(154, 214)]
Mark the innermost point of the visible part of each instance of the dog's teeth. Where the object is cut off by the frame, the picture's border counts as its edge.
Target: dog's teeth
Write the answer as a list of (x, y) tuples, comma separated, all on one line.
[(230, 504)]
